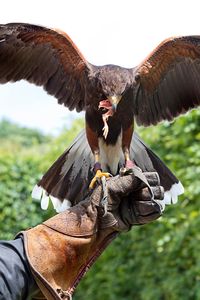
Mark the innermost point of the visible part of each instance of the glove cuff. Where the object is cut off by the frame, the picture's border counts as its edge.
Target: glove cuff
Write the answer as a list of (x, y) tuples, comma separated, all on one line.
[(58, 260)]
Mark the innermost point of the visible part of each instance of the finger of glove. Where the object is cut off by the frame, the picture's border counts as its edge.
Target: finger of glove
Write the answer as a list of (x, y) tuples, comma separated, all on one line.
[(141, 212), (152, 178), (145, 195), (146, 211), (123, 185), (144, 208), (156, 213), (138, 173)]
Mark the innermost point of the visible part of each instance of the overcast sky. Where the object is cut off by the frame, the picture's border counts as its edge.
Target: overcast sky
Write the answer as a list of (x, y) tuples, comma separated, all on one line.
[(121, 32)]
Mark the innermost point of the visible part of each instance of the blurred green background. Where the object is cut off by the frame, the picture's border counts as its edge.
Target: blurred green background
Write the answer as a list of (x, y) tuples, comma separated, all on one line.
[(159, 261)]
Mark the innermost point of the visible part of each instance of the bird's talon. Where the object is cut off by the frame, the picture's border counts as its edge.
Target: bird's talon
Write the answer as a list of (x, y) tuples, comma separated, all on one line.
[(125, 171), (128, 169), (99, 174)]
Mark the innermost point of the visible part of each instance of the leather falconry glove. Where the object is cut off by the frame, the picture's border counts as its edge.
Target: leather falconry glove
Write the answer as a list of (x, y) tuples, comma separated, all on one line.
[(133, 200), (63, 248)]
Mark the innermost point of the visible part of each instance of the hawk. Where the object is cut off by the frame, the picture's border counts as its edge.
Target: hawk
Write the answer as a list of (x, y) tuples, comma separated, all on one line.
[(163, 86)]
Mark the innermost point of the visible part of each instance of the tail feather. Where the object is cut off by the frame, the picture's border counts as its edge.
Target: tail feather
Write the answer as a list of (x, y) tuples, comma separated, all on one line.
[(148, 161), (68, 178), (66, 182)]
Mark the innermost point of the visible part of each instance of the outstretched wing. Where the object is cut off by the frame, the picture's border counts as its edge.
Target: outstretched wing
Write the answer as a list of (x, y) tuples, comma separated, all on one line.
[(46, 58), (168, 81)]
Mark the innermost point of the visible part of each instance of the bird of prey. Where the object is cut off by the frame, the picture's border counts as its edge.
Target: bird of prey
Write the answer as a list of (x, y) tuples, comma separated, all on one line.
[(163, 86)]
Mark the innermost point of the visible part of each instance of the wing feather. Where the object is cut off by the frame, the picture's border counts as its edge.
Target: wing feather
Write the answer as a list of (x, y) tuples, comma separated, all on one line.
[(168, 80), (46, 58)]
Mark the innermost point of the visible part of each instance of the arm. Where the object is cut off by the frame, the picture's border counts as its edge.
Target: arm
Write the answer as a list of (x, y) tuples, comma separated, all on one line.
[(16, 280)]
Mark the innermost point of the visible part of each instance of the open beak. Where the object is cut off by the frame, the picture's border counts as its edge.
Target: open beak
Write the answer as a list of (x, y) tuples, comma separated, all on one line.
[(114, 100)]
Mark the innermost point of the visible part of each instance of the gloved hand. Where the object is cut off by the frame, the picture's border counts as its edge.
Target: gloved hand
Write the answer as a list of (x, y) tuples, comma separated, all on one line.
[(134, 199), (63, 248)]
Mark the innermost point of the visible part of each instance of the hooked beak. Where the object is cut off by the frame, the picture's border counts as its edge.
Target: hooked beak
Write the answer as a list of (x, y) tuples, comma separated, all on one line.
[(114, 100)]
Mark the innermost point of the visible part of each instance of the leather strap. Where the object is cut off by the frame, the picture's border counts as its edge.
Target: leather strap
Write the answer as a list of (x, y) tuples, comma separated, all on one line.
[(138, 173)]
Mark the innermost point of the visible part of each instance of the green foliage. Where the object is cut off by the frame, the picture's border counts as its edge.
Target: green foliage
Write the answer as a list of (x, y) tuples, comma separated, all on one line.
[(19, 170), (14, 134), (25, 154), (17, 210), (159, 261)]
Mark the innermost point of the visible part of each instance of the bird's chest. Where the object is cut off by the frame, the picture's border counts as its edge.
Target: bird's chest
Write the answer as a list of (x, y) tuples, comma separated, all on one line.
[(95, 122), (118, 123)]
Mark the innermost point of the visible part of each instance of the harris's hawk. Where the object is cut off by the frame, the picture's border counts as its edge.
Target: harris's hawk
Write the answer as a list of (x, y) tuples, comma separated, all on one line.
[(163, 86)]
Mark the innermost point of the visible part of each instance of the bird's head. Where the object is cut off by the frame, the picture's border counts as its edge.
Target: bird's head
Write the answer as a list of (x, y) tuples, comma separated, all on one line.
[(114, 81)]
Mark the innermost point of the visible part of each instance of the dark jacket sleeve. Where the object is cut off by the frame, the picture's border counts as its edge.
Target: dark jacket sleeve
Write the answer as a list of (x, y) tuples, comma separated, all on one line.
[(16, 281)]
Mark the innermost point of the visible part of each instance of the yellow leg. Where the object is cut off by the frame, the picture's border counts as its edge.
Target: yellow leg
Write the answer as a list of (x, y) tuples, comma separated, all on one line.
[(129, 164), (99, 174)]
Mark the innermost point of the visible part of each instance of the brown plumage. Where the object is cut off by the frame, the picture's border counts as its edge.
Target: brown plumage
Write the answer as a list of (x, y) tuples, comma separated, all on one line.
[(163, 86)]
